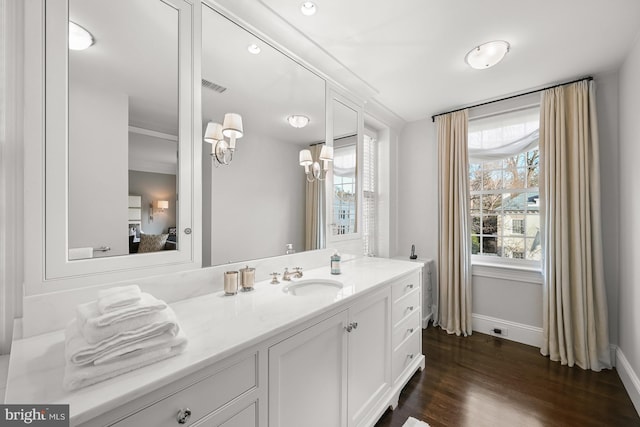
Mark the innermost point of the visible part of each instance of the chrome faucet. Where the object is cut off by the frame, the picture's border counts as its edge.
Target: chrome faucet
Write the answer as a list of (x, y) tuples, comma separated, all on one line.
[(287, 275)]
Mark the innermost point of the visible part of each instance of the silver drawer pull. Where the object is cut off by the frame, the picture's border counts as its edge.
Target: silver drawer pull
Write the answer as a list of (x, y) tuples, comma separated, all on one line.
[(410, 286), (355, 325), (183, 416)]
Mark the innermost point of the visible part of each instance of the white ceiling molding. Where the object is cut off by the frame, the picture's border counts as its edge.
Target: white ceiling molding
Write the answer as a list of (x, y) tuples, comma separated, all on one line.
[(148, 132)]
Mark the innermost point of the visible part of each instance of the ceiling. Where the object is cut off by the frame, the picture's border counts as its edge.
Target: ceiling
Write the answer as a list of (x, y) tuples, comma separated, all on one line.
[(410, 53)]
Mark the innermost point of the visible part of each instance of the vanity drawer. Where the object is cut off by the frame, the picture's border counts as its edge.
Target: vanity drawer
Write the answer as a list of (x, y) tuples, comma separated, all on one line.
[(405, 286), (248, 417), (201, 398), (405, 328), (404, 355), (405, 306)]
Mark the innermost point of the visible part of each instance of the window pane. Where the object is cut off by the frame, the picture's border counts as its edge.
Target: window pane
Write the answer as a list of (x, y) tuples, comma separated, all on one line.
[(515, 224), (490, 224), (490, 245), (475, 224), (533, 177), (533, 225), (474, 204), (514, 178), (533, 202), (492, 180), (475, 245), (475, 177), (513, 247), (491, 202)]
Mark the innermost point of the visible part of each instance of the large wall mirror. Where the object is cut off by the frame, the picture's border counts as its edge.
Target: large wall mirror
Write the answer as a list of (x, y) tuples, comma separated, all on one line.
[(260, 204), (119, 133)]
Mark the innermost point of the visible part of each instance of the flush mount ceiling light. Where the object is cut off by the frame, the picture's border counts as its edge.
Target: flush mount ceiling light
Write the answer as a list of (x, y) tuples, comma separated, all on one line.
[(253, 48), (298, 121), (308, 8), (487, 54), (79, 38)]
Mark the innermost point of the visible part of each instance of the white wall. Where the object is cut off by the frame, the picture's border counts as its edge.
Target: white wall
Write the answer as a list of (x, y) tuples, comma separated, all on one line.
[(629, 250), (508, 299), (257, 203), (98, 153)]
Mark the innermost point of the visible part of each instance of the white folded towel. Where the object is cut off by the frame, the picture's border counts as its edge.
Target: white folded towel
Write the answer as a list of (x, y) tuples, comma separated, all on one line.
[(76, 377), (94, 334), (90, 313), (79, 351), (114, 298)]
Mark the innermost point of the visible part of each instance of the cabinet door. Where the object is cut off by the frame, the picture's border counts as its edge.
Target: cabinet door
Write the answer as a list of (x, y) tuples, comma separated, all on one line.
[(369, 355), (307, 377)]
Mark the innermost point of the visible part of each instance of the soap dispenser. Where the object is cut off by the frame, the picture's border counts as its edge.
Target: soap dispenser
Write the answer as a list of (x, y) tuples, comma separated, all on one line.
[(335, 263)]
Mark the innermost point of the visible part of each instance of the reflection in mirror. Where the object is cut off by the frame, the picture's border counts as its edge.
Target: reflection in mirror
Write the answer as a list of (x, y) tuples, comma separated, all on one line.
[(123, 127), (345, 143), (254, 206)]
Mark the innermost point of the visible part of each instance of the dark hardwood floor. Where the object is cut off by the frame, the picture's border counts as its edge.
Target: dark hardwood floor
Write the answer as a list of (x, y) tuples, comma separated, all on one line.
[(483, 381)]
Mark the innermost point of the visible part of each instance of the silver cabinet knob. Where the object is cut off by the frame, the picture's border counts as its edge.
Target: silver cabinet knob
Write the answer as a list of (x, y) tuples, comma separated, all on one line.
[(410, 356), (410, 330), (410, 286), (187, 230), (410, 308), (351, 326), (183, 416)]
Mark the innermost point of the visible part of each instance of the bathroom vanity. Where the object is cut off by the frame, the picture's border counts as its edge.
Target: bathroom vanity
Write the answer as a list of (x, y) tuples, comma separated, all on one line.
[(261, 358)]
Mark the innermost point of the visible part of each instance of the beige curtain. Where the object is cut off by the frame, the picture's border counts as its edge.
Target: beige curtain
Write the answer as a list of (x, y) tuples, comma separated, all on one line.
[(315, 209), (454, 261), (575, 306)]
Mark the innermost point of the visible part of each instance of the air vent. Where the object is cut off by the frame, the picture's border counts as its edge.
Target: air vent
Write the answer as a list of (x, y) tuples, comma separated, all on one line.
[(210, 85)]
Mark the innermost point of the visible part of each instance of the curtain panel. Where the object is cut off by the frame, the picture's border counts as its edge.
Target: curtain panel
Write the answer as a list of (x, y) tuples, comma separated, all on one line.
[(575, 329), (314, 236), (454, 261)]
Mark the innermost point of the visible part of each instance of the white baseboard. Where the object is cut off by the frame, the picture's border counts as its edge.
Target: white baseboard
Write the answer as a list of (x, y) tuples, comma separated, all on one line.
[(629, 378), (518, 332)]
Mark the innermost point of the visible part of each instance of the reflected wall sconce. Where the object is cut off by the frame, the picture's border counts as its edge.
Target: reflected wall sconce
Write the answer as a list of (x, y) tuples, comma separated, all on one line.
[(157, 206), (215, 133), (79, 38), (312, 168)]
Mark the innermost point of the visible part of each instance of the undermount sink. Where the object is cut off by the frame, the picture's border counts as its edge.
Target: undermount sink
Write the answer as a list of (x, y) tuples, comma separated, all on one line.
[(313, 287)]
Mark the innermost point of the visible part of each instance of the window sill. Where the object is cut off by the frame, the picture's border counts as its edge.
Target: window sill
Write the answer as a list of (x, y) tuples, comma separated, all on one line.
[(516, 273)]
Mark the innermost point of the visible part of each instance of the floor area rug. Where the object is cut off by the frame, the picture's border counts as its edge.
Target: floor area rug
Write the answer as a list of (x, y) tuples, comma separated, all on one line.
[(412, 422)]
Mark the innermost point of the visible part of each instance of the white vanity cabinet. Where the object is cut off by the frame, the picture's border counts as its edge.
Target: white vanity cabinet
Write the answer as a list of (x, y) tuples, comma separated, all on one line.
[(337, 372), (407, 334), (224, 394)]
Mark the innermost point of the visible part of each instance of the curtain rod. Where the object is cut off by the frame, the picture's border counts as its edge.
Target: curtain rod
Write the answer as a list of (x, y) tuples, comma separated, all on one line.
[(588, 78)]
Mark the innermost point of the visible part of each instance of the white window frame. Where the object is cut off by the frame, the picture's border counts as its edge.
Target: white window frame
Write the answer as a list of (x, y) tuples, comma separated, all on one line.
[(370, 193)]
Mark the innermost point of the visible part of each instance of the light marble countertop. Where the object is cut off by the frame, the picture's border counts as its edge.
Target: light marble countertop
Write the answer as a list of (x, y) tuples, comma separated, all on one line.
[(217, 326)]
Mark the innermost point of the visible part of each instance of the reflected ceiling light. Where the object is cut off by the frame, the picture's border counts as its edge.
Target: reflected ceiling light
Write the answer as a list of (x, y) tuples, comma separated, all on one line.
[(312, 169), (487, 54), (308, 8), (253, 48), (298, 121), (79, 38)]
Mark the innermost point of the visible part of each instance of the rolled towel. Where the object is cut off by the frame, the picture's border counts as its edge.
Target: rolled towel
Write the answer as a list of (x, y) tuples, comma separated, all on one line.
[(114, 298), (90, 313), (80, 352), (76, 377)]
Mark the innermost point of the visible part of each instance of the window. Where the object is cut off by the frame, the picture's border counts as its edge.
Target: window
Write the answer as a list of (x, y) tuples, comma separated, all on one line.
[(504, 169), (369, 189), (344, 189)]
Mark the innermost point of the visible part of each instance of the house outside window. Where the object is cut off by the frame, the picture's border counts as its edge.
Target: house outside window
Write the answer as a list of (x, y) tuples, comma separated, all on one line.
[(504, 169), (344, 189)]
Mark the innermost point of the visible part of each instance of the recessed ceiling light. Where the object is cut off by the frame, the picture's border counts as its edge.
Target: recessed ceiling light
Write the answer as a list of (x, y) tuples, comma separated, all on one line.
[(298, 121), (487, 54), (79, 38), (308, 8), (253, 48)]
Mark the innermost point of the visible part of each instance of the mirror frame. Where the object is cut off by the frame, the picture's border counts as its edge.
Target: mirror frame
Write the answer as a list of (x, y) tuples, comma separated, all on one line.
[(332, 240), (48, 45)]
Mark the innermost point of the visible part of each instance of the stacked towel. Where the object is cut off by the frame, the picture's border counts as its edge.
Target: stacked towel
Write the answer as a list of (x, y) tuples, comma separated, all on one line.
[(124, 329)]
